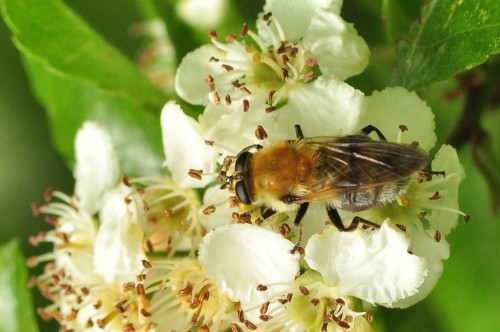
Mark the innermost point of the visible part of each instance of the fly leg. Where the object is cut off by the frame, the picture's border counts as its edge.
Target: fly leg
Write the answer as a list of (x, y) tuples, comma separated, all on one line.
[(334, 217), (298, 132), (297, 222), (369, 129), (266, 214)]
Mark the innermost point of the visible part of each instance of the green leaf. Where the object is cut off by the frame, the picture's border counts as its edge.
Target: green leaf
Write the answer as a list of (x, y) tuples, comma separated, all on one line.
[(17, 308), (451, 36), (78, 76), (398, 14), (51, 32), (70, 101)]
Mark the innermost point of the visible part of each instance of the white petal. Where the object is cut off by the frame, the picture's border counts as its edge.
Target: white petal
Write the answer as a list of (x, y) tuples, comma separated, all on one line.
[(232, 129), (222, 215), (196, 66), (184, 148), (435, 254), (97, 168), (293, 16), (446, 159), (239, 257), (324, 107), (336, 45), (392, 107), (118, 245), (374, 267)]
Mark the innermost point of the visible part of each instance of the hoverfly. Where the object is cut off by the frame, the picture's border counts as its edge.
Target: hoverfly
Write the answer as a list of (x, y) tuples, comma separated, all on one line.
[(352, 173)]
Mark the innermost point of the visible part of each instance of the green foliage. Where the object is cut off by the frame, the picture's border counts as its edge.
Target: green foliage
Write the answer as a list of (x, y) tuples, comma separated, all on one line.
[(16, 305), (78, 76), (451, 36)]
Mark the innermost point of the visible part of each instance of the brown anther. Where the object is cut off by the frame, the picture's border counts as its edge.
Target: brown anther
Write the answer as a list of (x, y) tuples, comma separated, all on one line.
[(437, 236), (146, 264), (241, 315), (422, 214), (97, 305), (466, 218), (236, 83), (209, 80), (227, 68), (85, 291), (435, 196), (249, 325), (340, 301), (270, 96), (284, 229), (216, 98), (245, 89), (128, 286), (294, 51), (208, 210), (246, 105), (289, 297), (213, 59), (401, 227), (265, 318), (141, 277), (260, 133), (140, 290), (233, 201), (304, 290), (89, 324), (300, 250), (145, 313), (264, 307), (101, 323), (235, 328), (48, 195), (415, 144), (285, 59), (282, 48), (128, 328), (271, 109), (410, 252), (195, 173), (244, 30), (314, 301), (266, 16), (227, 99), (283, 301), (212, 35), (261, 288), (403, 128), (284, 74), (209, 143), (124, 179)]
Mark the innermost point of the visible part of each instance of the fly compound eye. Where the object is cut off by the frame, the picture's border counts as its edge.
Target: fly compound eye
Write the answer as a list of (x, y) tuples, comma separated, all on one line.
[(241, 161), (242, 193)]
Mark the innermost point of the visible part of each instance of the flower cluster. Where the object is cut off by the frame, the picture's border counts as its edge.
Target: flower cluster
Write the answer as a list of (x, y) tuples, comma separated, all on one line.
[(149, 254)]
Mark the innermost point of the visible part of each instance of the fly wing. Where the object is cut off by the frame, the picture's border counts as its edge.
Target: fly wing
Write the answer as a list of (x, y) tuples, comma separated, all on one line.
[(351, 163)]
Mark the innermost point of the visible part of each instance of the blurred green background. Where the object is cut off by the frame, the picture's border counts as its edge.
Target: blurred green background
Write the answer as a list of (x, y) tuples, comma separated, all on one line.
[(467, 297)]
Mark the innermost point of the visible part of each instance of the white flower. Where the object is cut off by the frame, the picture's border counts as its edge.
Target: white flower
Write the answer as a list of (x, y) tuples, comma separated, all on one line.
[(119, 242), (254, 266), (184, 147), (289, 74), (84, 274), (97, 169)]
